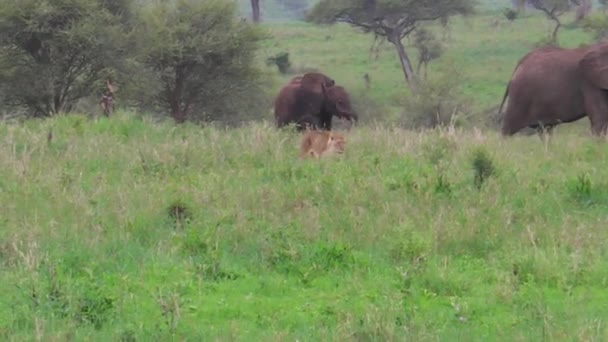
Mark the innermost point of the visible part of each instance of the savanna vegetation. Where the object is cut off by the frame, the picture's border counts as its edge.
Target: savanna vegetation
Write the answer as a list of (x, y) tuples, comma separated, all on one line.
[(185, 214)]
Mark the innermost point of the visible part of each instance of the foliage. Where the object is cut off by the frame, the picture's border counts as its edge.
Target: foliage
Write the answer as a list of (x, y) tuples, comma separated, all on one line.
[(510, 14), (281, 60), (54, 53), (439, 102), (597, 24), (483, 167), (201, 58)]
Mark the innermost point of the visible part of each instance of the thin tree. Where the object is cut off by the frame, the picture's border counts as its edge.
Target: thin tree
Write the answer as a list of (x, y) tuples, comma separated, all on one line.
[(389, 19), (553, 9)]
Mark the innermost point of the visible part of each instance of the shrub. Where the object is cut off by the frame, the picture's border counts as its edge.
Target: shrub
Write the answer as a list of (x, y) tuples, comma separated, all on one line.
[(510, 14), (438, 102), (483, 167), (596, 24), (281, 60)]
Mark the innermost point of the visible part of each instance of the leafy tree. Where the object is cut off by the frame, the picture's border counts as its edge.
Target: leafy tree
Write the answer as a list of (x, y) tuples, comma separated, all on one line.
[(201, 57), (553, 9), (392, 20), (55, 52)]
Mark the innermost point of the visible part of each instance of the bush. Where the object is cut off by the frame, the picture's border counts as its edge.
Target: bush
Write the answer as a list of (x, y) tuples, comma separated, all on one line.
[(281, 60), (201, 59), (596, 24), (510, 14), (438, 102)]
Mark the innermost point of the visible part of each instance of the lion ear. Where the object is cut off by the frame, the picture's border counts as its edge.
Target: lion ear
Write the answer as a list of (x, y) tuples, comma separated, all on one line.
[(594, 66)]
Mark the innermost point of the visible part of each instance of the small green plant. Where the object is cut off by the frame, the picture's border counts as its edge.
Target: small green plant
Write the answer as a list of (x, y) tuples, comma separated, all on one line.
[(442, 184), (281, 60), (411, 248), (581, 189), (336, 255), (179, 213), (510, 14), (483, 167), (438, 150), (94, 308)]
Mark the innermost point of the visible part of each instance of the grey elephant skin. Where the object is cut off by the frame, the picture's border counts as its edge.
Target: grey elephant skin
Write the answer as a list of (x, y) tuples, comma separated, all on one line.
[(310, 101), (554, 85)]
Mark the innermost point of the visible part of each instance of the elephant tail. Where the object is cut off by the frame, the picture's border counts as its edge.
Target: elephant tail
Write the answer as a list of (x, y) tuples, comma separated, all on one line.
[(504, 97)]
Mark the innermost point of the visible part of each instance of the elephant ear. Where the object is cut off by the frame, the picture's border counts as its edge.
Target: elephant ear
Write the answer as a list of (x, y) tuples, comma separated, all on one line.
[(594, 66)]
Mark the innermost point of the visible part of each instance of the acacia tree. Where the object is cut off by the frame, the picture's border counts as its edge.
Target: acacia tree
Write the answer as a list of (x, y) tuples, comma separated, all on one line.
[(553, 9), (53, 53), (200, 55), (392, 20)]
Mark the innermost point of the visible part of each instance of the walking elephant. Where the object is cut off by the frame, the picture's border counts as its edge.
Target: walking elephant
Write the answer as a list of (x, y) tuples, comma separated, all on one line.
[(554, 85), (310, 101)]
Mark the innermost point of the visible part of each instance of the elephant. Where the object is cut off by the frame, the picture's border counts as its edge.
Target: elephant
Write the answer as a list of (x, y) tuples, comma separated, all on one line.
[(553, 85), (310, 101)]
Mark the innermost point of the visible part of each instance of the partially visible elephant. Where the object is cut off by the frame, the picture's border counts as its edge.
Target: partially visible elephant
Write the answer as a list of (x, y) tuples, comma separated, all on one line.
[(554, 85), (310, 101)]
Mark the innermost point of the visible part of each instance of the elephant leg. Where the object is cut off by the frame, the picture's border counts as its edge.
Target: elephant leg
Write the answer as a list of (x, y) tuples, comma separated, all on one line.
[(515, 118), (307, 122), (596, 107), (325, 120)]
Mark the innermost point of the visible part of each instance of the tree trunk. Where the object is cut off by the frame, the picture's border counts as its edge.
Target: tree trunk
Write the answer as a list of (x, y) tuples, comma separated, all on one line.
[(178, 115), (255, 10), (558, 24), (406, 65)]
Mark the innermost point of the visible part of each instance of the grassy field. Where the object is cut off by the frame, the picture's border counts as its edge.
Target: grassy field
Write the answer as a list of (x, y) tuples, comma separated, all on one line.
[(125, 229), (133, 230)]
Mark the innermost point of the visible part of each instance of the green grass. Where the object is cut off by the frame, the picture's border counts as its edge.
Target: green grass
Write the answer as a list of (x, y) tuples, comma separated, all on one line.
[(133, 230), (126, 229)]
